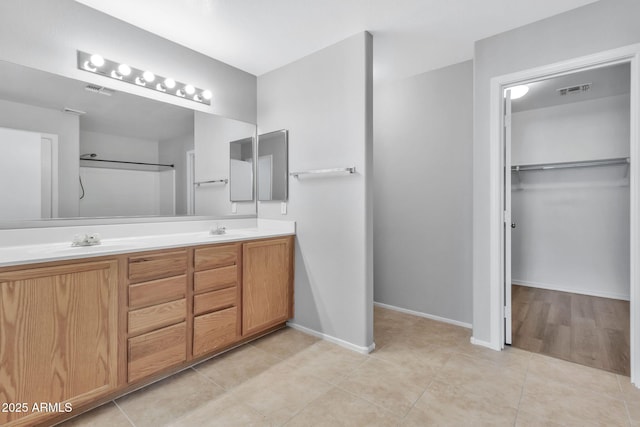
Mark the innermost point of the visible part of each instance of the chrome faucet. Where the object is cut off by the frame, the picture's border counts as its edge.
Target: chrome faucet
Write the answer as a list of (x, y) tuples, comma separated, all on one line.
[(88, 239), (218, 230)]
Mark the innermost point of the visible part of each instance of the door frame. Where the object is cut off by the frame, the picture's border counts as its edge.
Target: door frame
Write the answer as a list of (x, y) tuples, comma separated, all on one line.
[(190, 171), (628, 54)]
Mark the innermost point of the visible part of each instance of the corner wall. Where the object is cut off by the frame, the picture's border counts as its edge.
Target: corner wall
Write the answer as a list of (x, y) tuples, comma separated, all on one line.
[(324, 100), (597, 27), (423, 152)]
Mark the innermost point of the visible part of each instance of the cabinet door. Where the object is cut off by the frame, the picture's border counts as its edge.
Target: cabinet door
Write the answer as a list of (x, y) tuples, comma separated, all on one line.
[(267, 284), (58, 335)]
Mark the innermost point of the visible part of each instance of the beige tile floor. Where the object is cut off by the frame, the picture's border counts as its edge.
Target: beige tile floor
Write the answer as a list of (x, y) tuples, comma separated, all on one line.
[(422, 373)]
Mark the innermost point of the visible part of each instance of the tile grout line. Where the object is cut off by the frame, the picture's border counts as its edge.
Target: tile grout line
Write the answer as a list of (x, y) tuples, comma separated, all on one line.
[(211, 380), (526, 374), (124, 413)]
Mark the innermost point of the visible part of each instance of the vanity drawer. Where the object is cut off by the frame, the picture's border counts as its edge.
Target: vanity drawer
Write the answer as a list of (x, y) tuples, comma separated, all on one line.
[(157, 291), (157, 316), (216, 256), (218, 278), (215, 300), (155, 351), (214, 330), (157, 265)]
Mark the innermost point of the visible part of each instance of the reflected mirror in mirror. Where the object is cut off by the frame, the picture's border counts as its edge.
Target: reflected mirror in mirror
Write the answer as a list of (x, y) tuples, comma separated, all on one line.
[(241, 170), (273, 169), (71, 149)]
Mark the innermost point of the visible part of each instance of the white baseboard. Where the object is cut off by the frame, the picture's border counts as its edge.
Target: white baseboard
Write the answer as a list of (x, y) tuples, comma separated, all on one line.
[(425, 315), (332, 339), (481, 343), (547, 286)]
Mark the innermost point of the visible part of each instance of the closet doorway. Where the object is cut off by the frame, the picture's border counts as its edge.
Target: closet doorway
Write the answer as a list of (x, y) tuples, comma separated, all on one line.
[(567, 224)]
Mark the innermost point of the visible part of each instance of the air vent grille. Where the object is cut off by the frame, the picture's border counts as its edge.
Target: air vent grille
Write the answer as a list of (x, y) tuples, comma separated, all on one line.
[(99, 89), (572, 90)]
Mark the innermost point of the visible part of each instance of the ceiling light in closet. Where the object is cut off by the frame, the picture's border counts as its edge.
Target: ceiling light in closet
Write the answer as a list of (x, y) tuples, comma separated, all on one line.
[(517, 91), (95, 63)]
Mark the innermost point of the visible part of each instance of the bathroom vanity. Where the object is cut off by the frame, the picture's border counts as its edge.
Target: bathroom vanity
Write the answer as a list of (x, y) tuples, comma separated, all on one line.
[(84, 329)]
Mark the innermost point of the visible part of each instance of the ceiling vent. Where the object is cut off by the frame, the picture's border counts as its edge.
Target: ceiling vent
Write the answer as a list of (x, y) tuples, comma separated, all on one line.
[(99, 89), (73, 111), (572, 90)]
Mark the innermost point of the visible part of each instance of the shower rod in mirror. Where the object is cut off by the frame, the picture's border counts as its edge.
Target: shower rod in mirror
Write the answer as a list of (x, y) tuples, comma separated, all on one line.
[(349, 170)]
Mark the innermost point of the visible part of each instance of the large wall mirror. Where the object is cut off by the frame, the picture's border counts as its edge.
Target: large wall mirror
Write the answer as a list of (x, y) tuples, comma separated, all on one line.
[(273, 168), (69, 149)]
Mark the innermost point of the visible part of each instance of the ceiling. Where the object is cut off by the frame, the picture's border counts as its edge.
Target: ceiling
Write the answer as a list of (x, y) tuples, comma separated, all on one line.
[(605, 81), (257, 36), (120, 114)]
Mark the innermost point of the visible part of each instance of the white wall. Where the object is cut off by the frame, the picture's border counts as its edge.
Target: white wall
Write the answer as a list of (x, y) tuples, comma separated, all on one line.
[(174, 151), (324, 100), (572, 229), (116, 147), (121, 192), (212, 136), (603, 25), (594, 129), (66, 126), (422, 233), (45, 34)]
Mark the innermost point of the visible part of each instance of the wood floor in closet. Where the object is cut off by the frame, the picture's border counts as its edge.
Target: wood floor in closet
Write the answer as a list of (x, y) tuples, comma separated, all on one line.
[(588, 330)]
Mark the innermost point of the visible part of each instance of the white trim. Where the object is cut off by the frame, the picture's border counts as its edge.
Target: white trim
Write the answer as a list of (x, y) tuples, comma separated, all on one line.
[(629, 54), (425, 315), (550, 287), (486, 344), (332, 339), (190, 171)]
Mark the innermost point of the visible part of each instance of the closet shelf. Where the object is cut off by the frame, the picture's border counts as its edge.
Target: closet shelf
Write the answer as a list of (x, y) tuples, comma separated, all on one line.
[(568, 165)]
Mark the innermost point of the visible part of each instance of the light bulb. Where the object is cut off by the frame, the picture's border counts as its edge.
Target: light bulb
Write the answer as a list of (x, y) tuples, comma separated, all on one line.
[(180, 93), (96, 60), (161, 87), (148, 76), (140, 81), (197, 98), (124, 69), (207, 94), (169, 83), (87, 66), (116, 75), (517, 91), (190, 90)]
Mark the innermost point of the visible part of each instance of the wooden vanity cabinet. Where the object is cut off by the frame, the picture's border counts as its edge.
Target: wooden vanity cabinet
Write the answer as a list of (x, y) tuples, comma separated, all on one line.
[(58, 334), (216, 299), (81, 332), (157, 312), (267, 284)]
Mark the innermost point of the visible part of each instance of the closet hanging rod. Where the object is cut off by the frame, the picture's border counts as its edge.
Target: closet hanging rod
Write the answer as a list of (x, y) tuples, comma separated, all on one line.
[(127, 163), (567, 165), (349, 170), (213, 181)]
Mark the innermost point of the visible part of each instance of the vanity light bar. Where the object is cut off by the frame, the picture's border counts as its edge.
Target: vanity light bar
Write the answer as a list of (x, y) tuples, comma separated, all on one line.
[(96, 64)]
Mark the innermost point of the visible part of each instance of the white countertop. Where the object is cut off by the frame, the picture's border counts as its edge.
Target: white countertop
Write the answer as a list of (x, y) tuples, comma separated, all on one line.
[(34, 253)]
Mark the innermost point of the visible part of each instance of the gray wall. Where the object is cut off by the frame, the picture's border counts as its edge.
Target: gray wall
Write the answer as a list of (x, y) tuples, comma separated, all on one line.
[(600, 26), (324, 100), (45, 34), (422, 157), (67, 127)]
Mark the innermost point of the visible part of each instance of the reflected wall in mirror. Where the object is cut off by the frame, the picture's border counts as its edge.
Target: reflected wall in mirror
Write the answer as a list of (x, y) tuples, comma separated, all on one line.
[(273, 168), (213, 166), (241, 170), (56, 134)]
